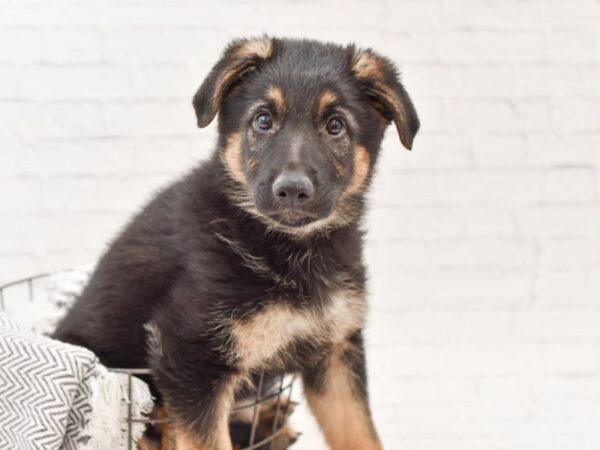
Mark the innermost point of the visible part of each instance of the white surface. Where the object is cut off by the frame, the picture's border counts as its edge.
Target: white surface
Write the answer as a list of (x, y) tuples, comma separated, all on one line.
[(484, 242)]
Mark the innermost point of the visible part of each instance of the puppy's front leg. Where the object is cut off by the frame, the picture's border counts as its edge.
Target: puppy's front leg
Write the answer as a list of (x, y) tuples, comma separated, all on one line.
[(336, 391), (202, 422), (198, 391)]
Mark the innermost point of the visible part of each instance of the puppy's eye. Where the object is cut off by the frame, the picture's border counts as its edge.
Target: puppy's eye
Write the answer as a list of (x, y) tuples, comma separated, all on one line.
[(335, 126), (263, 122)]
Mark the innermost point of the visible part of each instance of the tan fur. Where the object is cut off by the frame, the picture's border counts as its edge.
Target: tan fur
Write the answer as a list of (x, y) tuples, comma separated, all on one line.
[(275, 94), (244, 414), (167, 438), (261, 47), (232, 158), (220, 438), (326, 98), (385, 93), (366, 65), (362, 164), (279, 409), (258, 47), (343, 419), (285, 436), (145, 444), (252, 163), (340, 170), (225, 80), (345, 212), (184, 441), (187, 441), (258, 340)]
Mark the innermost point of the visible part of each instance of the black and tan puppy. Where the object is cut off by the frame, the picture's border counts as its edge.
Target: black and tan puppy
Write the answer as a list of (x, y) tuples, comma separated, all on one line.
[(253, 261)]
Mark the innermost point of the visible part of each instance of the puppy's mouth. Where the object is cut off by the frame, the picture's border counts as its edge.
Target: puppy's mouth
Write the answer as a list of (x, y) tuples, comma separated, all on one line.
[(292, 217)]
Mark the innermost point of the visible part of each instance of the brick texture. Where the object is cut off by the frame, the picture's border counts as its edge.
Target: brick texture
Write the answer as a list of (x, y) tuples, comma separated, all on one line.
[(483, 242)]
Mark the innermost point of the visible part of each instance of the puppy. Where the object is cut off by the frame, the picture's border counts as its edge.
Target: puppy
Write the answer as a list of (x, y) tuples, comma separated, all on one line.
[(253, 261)]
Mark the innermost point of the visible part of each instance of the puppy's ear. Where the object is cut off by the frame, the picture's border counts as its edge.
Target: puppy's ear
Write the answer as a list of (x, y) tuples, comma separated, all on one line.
[(239, 58), (385, 92)]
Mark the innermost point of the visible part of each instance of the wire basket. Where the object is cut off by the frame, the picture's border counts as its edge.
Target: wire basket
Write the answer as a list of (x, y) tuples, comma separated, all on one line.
[(278, 399)]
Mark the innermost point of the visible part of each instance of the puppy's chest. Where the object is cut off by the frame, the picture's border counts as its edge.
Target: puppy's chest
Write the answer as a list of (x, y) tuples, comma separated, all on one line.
[(267, 337)]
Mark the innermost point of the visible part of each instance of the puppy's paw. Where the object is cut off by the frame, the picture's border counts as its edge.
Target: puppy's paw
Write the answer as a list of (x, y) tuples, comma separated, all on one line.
[(269, 410), (285, 439), (279, 410)]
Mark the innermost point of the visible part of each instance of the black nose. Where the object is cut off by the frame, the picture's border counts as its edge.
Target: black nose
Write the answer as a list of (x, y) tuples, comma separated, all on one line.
[(293, 188)]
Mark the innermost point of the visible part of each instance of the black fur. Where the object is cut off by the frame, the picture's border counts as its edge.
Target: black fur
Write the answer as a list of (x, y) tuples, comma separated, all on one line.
[(184, 264)]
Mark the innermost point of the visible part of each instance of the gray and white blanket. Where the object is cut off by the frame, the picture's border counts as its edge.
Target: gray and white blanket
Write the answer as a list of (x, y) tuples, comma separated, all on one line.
[(55, 395)]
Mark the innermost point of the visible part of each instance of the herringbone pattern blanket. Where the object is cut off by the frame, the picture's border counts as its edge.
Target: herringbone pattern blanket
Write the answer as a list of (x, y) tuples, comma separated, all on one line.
[(56, 396), (45, 390)]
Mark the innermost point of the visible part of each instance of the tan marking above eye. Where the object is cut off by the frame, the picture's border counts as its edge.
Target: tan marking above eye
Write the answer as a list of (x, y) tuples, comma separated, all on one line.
[(275, 94), (326, 98)]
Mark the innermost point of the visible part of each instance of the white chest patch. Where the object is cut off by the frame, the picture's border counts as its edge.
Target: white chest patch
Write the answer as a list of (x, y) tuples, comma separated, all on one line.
[(262, 337)]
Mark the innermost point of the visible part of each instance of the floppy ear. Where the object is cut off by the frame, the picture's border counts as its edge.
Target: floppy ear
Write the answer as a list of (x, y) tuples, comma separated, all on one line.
[(239, 58), (385, 92)]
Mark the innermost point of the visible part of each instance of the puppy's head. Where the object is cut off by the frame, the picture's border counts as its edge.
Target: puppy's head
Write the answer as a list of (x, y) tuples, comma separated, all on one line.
[(300, 127)]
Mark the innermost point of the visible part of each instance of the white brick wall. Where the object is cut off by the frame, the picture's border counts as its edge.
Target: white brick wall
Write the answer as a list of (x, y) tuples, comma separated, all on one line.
[(484, 241)]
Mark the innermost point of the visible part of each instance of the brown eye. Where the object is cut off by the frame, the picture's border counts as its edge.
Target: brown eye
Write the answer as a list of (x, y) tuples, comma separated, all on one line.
[(335, 126), (263, 122)]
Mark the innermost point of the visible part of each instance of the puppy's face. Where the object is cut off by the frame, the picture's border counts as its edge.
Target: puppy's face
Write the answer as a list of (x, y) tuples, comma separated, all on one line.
[(300, 127)]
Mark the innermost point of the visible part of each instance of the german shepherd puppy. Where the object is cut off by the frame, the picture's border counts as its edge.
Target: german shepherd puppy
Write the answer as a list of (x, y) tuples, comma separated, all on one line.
[(253, 261)]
